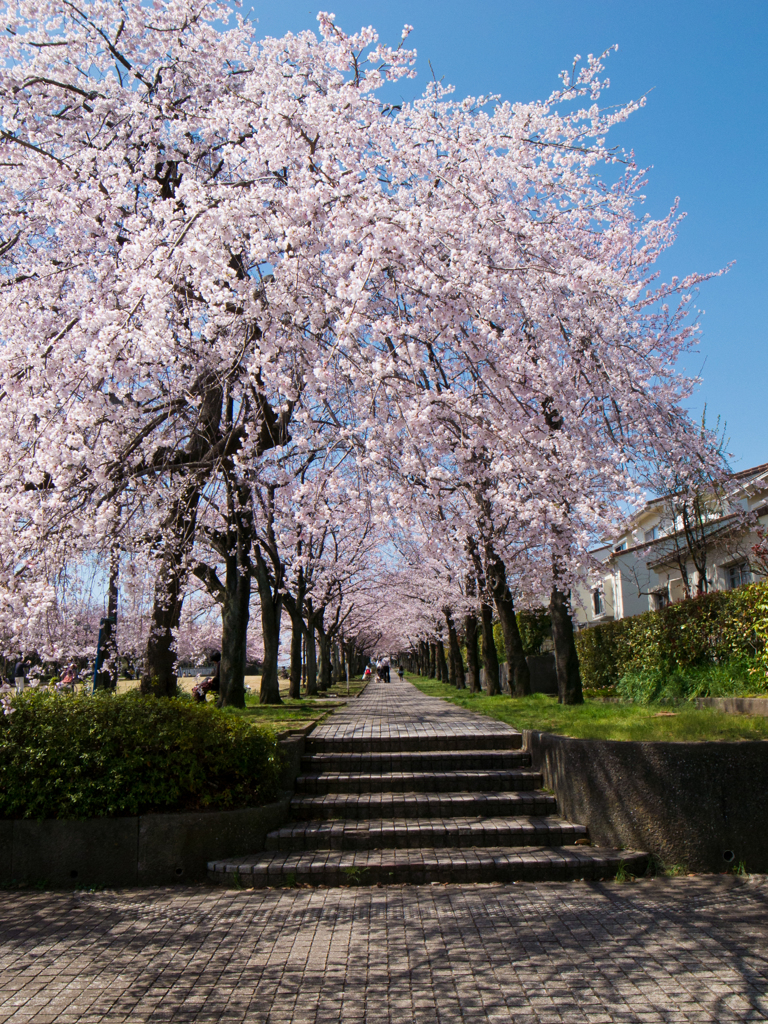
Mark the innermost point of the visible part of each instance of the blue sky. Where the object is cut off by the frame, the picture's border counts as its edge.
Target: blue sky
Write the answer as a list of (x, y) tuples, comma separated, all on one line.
[(703, 133)]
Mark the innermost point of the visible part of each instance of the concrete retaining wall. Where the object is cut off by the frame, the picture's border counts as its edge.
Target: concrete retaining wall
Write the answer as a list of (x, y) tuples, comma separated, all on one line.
[(735, 705), (700, 804), (149, 849)]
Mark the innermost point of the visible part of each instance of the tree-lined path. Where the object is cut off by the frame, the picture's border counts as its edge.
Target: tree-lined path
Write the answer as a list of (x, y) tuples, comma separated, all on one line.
[(400, 787)]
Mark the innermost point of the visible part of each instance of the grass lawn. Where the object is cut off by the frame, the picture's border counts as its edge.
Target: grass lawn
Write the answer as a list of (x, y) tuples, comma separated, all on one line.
[(296, 714), (596, 720)]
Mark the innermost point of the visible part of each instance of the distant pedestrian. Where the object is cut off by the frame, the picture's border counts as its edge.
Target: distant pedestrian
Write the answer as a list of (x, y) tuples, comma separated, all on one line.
[(20, 675), (400, 672), (212, 684)]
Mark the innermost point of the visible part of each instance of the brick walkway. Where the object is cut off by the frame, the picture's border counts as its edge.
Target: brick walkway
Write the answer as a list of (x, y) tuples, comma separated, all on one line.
[(586, 953), (396, 716)]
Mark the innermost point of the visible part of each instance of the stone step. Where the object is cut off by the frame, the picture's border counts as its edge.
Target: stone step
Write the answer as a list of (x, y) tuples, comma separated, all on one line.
[(420, 866), (426, 833), (410, 740), (421, 782), (415, 761), (358, 806)]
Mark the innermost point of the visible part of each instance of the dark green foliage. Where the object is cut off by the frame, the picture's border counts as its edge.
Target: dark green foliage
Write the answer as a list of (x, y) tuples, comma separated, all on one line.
[(707, 630), (82, 757), (535, 628), (498, 642)]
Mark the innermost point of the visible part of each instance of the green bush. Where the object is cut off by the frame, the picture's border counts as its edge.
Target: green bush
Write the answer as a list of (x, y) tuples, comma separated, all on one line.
[(707, 630), (64, 756), (535, 627)]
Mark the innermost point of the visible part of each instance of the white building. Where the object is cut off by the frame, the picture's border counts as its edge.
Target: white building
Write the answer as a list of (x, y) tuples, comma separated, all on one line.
[(644, 565)]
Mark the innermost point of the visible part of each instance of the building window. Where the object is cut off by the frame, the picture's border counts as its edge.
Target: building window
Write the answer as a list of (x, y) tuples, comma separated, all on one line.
[(652, 534), (597, 602), (738, 575), (660, 599), (621, 547)]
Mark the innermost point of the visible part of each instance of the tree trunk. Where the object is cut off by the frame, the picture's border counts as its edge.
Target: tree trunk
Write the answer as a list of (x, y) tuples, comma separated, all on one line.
[(160, 668), (432, 672), (294, 603), (442, 668), (490, 658), (456, 663), (106, 677), (297, 631), (271, 614), (178, 537), (566, 659), (349, 653), (336, 662), (324, 674), (235, 616), (517, 666), (309, 639), (473, 664)]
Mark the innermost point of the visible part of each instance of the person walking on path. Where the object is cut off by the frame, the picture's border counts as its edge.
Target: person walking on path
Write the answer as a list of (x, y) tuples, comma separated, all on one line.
[(400, 672)]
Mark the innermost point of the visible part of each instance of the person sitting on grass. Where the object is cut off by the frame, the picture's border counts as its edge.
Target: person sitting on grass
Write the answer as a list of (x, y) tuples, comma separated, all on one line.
[(67, 681), (212, 684)]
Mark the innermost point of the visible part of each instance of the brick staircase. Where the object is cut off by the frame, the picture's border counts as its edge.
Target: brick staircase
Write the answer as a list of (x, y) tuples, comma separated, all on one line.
[(399, 787)]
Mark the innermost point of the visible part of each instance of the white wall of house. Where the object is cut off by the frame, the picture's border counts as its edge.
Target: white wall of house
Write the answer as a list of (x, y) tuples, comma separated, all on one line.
[(639, 573)]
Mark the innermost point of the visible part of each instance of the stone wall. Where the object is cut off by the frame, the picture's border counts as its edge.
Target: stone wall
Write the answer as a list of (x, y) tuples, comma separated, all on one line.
[(735, 705), (543, 674), (704, 805)]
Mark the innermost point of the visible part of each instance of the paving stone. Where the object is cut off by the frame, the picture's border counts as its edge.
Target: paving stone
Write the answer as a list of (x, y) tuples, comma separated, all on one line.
[(655, 952), (422, 782), (422, 805), (413, 866), (375, 833), (403, 788), (416, 761)]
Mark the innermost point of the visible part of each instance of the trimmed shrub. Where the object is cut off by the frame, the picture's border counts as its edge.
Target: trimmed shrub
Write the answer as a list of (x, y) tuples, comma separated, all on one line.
[(65, 756), (707, 630)]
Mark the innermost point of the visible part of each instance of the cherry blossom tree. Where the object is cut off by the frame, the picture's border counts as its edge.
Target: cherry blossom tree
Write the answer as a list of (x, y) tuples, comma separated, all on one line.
[(183, 185), (216, 248)]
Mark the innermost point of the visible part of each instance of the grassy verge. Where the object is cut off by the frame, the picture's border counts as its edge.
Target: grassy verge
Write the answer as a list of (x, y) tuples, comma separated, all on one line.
[(739, 677), (596, 720), (296, 714)]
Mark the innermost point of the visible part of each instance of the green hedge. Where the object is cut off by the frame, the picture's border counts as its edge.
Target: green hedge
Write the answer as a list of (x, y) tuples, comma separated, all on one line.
[(705, 630), (65, 756)]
